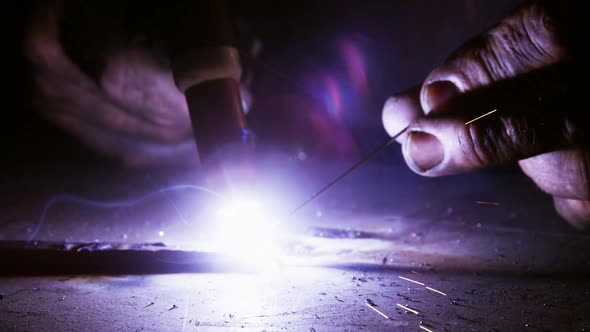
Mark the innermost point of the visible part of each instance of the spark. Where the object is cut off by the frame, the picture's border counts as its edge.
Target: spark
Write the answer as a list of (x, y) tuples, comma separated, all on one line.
[(410, 280), (376, 310), (479, 117), (407, 309), (425, 328), (490, 203), (435, 290)]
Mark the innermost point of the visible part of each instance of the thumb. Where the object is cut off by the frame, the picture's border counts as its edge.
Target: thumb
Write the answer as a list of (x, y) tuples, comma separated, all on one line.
[(523, 120)]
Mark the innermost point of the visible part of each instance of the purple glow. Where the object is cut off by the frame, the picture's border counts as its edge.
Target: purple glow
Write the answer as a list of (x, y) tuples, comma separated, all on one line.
[(334, 100), (355, 65)]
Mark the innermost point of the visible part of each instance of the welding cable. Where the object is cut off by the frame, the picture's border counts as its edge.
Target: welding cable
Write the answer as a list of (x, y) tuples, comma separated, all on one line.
[(65, 197)]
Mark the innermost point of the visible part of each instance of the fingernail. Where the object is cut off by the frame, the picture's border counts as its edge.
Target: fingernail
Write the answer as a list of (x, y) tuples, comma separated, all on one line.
[(425, 150), (439, 93)]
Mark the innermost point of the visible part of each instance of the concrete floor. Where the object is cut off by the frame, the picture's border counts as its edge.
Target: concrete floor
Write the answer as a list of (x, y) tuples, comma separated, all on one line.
[(297, 299), (512, 266)]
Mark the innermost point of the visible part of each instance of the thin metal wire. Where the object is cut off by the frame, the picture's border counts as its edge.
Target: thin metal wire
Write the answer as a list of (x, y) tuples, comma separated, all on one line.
[(350, 170)]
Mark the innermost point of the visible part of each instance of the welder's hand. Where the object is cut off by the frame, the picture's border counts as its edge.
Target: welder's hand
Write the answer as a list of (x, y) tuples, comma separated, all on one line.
[(102, 78), (524, 68)]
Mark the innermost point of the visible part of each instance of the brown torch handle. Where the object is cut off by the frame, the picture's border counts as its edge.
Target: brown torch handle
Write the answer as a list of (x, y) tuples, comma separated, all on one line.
[(206, 67)]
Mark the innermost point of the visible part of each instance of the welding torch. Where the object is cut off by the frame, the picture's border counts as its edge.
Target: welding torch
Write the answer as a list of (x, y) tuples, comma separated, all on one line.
[(202, 44), (206, 67)]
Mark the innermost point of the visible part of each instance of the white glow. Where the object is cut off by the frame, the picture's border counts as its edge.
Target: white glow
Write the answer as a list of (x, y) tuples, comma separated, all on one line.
[(246, 230)]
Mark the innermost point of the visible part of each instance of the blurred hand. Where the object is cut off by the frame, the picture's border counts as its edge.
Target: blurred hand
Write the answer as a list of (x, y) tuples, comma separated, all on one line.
[(100, 74), (524, 68)]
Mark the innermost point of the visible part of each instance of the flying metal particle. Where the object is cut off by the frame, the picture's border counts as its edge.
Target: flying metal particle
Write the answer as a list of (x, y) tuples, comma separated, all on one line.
[(435, 290), (425, 328), (484, 202), (407, 309), (410, 280), (479, 117), (376, 310)]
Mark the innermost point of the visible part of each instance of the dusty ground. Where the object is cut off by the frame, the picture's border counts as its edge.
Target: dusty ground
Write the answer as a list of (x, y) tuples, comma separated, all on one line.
[(506, 267), (302, 299)]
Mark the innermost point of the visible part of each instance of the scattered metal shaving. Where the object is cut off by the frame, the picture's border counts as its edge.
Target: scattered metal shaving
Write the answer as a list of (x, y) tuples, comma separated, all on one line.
[(436, 291), (371, 305), (411, 280), (408, 309), (425, 328)]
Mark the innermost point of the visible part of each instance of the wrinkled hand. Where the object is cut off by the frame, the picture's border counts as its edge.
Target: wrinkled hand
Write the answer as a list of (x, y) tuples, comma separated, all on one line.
[(115, 90), (525, 69)]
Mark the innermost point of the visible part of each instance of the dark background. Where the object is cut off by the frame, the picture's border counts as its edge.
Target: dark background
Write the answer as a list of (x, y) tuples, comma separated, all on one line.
[(400, 42)]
